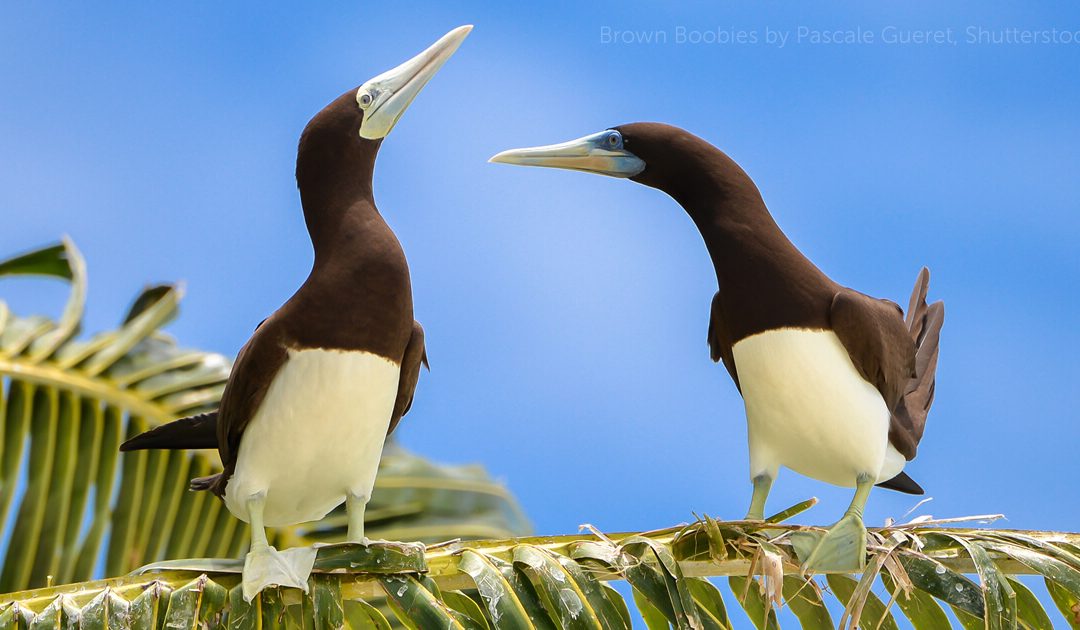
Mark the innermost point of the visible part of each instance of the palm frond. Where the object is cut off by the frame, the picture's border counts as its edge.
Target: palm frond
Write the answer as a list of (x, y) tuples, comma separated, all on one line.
[(913, 572), (71, 505)]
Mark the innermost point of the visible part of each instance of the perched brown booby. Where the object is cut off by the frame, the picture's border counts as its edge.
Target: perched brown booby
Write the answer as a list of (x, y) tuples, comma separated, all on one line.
[(836, 384), (327, 377)]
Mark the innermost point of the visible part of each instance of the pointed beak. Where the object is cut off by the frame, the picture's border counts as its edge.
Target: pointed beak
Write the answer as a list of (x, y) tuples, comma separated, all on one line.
[(601, 153), (386, 97)]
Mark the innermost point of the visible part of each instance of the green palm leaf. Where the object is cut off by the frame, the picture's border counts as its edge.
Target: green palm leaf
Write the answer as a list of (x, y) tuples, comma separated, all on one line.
[(71, 504), (557, 582)]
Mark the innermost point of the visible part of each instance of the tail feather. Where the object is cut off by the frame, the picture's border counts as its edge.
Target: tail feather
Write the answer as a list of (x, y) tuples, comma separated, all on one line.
[(924, 322), (192, 432), (917, 304), (902, 483)]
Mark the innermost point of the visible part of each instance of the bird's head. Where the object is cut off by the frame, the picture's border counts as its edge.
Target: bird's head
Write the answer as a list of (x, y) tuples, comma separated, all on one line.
[(383, 99), (340, 142), (653, 154)]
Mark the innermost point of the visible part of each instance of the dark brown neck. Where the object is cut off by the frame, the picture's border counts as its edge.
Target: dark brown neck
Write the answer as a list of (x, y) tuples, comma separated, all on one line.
[(358, 295), (335, 190), (765, 282), (351, 236)]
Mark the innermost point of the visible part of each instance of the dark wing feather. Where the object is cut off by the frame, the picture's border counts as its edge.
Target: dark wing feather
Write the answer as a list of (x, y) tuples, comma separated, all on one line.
[(897, 355), (875, 337), (255, 367), (192, 432), (720, 340), (415, 356)]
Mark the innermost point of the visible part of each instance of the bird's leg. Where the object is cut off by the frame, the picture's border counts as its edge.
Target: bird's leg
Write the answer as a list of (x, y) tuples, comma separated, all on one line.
[(843, 546), (762, 485), (355, 504), (264, 565), (255, 506)]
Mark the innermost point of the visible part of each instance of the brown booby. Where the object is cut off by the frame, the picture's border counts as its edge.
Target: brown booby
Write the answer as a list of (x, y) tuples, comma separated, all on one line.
[(326, 378), (836, 384)]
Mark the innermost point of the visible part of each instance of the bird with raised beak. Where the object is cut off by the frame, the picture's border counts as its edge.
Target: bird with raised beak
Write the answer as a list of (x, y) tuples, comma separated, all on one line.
[(836, 384), (326, 378)]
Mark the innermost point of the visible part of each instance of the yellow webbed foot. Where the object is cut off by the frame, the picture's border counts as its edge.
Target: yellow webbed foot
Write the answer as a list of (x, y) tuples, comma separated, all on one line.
[(841, 548)]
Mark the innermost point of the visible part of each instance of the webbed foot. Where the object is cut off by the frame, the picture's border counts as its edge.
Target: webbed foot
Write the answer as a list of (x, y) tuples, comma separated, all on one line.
[(841, 548), (265, 566)]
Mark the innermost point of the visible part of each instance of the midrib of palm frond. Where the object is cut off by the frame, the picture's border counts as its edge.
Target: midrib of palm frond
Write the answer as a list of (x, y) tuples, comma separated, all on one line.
[(103, 390)]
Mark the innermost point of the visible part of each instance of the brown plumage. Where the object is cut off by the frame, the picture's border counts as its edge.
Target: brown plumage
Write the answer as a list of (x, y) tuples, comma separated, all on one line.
[(924, 325), (805, 346), (357, 297), (766, 283), (836, 384)]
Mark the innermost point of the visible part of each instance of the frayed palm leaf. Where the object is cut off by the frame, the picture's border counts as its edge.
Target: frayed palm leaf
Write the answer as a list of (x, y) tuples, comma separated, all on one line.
[(561, 582)]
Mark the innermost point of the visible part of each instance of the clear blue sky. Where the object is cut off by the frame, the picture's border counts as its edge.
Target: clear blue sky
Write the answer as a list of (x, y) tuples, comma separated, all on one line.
[(566, 313)]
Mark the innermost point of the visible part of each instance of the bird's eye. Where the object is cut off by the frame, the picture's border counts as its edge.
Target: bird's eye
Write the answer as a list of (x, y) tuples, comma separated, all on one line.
[(365, 99), (613, 140)]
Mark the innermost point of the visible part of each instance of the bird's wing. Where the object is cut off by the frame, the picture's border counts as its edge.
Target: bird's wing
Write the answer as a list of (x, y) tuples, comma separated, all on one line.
[(875, 337), (874, 333), (924, 324), (720, 340), (204, 430), (255, 367), (415, 356)]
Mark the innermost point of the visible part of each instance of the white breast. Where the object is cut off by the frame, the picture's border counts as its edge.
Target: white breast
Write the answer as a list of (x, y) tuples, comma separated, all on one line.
[(807, 408), (318, 435)]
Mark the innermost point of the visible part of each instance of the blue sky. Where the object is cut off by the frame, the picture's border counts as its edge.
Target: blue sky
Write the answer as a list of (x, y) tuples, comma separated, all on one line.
[(566, 313)]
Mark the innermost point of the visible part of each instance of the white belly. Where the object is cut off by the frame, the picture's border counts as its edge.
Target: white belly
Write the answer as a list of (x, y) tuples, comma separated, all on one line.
[(807, 408), (318, 435)]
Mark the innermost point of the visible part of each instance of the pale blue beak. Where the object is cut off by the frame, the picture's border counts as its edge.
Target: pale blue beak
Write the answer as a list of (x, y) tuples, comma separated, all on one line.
[(601, 153)]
